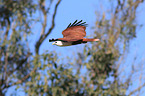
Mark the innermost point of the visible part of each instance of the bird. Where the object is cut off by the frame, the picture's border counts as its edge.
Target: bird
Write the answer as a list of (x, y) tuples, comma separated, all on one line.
[(74, 34)]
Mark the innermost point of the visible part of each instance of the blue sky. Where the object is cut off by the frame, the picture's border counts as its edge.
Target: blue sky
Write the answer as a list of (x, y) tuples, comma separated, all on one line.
[(69, 11)]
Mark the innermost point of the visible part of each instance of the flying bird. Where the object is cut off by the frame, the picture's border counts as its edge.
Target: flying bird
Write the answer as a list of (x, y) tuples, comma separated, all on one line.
[(74, 34)]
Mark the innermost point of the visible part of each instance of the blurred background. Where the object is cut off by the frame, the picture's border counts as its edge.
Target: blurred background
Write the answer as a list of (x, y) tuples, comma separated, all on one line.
[(31, 66)]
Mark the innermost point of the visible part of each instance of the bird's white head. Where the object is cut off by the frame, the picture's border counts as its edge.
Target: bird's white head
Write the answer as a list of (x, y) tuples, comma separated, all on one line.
[(58, 43)]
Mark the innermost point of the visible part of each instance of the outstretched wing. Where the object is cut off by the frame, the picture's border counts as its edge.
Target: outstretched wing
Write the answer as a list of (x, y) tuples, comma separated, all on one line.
[(80, 23), (75, 30)]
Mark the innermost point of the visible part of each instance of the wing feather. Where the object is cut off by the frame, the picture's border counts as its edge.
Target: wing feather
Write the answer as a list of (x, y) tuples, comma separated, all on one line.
[(75, 31), (70, 39), (77, 24), (69, 25), (74, 23)]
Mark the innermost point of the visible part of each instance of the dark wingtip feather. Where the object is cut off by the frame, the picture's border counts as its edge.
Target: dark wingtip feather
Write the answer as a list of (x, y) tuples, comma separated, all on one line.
[(69, 25), (51, 40), (77, 24), (74, 23)]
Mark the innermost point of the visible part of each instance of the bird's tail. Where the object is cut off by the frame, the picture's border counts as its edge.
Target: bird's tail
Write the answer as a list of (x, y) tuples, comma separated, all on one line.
[(90, 40)]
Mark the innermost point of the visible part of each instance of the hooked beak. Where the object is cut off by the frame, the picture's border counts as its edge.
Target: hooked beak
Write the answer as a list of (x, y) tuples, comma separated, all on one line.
[(53, 43)]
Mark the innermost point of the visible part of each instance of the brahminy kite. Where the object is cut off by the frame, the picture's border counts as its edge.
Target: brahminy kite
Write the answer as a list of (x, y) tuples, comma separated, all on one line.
[(74, 34)]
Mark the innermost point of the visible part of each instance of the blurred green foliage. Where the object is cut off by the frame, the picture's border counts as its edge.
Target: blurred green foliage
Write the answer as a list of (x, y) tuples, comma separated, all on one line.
[(42, 74)]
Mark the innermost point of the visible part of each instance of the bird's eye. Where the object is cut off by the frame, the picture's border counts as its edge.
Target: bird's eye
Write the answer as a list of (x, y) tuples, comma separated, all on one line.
[(55, 42)]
